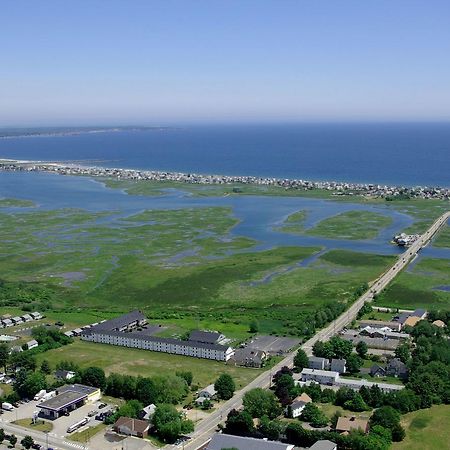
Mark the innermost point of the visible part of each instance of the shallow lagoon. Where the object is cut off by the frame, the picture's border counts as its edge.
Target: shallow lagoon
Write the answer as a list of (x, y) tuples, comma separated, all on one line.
[(259, 215)]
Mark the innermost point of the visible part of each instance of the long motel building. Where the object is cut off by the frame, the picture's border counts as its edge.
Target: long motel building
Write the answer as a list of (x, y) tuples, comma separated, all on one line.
[(118, 332)]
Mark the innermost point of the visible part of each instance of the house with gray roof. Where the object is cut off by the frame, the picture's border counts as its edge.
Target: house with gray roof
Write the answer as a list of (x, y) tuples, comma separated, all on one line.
[(208, 392), (324, 445), (220, 441), (338, 365), (249, 357), (377, 371), (397, 368), (317, 363)]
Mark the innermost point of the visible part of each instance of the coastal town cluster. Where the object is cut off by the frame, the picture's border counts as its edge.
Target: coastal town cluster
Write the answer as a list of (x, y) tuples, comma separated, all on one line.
[(339, 188)]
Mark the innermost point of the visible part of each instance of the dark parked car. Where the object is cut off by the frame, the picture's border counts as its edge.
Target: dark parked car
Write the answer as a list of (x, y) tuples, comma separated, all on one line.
[(102, 405)]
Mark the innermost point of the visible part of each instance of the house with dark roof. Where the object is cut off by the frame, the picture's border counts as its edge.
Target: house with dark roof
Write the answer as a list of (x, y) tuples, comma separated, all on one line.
[(422, 313), (338, 365), (249, 357), (377, 371), (131, 427), (206, 337), (221, 441), (397, 368), (317, 363), (324, 445), (298, 405)]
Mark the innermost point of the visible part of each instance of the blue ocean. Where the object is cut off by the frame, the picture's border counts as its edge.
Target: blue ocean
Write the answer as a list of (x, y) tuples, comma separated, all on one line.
[(396, 154)]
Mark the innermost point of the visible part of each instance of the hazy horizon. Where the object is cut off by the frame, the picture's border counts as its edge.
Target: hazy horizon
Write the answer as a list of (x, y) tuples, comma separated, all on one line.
[(166, 62)]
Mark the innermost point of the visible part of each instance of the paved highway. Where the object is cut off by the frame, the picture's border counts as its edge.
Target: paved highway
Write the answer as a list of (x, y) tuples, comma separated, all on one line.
[(40, 437), (207, 426)]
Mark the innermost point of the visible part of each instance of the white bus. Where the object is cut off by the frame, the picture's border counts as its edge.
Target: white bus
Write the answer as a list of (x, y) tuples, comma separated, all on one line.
[(77, 425)]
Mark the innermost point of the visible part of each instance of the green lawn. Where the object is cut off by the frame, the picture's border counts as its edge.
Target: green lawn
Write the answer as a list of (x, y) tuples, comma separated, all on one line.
[(145, 363), (87, 434), (427, 429), (329, 410), (417, 288), (40, 425)]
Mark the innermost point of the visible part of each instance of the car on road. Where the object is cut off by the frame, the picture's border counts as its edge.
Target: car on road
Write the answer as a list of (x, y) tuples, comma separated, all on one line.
[(92, 413)]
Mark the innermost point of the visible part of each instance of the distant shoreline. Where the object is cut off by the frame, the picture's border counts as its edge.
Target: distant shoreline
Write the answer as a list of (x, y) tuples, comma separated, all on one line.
[(339, 188), (58, 132)]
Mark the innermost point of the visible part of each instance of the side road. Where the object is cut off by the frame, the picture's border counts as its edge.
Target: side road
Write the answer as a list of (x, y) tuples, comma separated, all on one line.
[(207, 426)]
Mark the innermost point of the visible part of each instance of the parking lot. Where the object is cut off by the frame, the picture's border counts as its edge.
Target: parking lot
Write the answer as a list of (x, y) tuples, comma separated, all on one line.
[(60, 425), (273, 345)]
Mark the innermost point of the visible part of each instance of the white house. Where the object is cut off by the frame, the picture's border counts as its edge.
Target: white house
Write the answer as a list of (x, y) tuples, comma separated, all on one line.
[(32, 344), (27, 318), (298, 405), (147, 412), (36, 315), (208, 392), (320, 376)]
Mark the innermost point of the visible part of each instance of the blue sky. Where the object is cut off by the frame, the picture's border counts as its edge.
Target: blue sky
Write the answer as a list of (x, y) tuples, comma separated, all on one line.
[(172, 61)]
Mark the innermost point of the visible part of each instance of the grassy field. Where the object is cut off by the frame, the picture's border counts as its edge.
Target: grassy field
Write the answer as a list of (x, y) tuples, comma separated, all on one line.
[(294, 223), (426, 429), (40, 425), (443, 238), (329, 410), (145, 363), (417, 287), (15, 203), (87, 434), (351, 225)]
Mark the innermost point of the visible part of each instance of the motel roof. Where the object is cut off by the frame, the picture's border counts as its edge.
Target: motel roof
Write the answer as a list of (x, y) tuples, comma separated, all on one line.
[(120, 322), (140, 337)]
